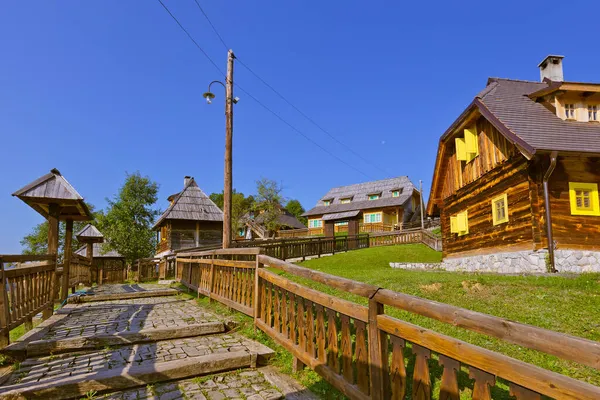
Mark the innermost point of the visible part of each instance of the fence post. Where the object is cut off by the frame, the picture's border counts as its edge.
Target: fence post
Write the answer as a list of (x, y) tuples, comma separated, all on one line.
[(378, 353), (283, 250), (211, 278), (4, 333), (256, 299), (139, 271)]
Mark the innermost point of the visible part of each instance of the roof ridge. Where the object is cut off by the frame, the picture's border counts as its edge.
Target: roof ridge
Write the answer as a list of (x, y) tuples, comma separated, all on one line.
[(495, 78), (379, 180)]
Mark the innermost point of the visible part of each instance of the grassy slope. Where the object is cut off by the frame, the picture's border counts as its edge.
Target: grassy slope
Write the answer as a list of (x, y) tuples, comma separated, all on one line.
[(565, 304)]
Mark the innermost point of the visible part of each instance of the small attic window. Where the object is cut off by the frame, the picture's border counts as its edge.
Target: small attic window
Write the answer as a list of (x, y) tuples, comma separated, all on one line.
[(374, 196), (327, 202), (396, 192), (570, 111), (346, 200)]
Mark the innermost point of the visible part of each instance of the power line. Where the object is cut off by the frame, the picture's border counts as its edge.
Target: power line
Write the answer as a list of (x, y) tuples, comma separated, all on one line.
[(257, 100), (312, 121)]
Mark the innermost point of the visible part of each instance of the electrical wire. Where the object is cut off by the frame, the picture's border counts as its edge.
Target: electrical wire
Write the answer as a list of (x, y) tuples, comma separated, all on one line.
[(282, 97), (253, 97)]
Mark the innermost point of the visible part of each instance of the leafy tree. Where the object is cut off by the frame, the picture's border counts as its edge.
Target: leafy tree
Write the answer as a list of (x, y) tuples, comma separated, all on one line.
[(129, 216), (36, 242), (295, 208), (268, 203), (240, 206)]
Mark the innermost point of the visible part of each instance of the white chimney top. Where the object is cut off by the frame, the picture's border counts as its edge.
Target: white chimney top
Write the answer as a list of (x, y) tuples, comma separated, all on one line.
[(551, 68), (186, 180)]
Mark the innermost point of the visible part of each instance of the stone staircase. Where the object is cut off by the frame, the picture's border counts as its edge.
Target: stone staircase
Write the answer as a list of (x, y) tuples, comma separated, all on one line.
[(131, 342)]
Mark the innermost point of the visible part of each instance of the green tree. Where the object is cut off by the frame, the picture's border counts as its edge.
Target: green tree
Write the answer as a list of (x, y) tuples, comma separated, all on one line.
[(240, 206), (129, 216), (295, 208), (268, 203), (36, 242)]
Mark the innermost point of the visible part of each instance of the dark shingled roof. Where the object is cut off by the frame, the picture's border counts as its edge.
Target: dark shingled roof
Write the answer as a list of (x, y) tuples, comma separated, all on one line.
[(98, 249), (530, 121), (359, 193), (191, 204), (89, 233), (284, 219)]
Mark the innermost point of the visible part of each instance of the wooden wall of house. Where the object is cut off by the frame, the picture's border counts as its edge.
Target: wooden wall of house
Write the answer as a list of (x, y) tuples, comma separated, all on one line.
[(182, 233), (577, 232), (512, 178), (494, 150)]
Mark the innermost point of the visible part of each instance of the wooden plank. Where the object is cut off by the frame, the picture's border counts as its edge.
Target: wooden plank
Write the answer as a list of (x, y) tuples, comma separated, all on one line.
[(301, 323), (354, 310), (378, 352), (482, 385), (346, 340), (535, 378), (22, 258), (332, 342), (284, 313), (277, 310), (320, 330), (362, 357), (310, 328), (568, 347), (236, 306), (398, 369), (421, 389), (449, 384), (292, 312), (348, 285), (334, 379)]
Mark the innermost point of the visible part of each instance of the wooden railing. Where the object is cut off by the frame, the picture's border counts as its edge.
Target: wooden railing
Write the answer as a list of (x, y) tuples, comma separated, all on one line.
[(369, 227), (361, 349), (294, 233), (80, 271), (223, 275), (405, 237), (25, 291), (304, 247), (144, 269)]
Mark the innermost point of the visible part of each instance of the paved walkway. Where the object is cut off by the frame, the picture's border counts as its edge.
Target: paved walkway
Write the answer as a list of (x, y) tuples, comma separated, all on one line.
[(163, 347)]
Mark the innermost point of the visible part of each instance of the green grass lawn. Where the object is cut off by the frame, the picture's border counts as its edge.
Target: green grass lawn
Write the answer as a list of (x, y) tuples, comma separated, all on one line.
[(568, 304)]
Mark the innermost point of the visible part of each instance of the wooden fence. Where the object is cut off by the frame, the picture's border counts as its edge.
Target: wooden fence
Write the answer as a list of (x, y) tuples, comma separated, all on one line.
[(79, 271), (405, 237), (361, 349), (25, 291), (300, 248), (144, 269)]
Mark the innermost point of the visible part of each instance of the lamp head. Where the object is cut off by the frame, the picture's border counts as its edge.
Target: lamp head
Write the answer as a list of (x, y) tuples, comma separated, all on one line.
[(208, 96)]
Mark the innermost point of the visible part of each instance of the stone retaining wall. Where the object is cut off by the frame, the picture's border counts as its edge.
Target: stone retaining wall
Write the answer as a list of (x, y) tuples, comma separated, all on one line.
[(576, 261)]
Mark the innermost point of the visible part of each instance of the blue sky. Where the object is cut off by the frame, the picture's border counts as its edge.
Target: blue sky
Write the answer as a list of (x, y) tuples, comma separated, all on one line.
[(101, 88)]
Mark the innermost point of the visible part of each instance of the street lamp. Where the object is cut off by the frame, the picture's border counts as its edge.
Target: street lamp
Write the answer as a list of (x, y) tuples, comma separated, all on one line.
[(228, 185)]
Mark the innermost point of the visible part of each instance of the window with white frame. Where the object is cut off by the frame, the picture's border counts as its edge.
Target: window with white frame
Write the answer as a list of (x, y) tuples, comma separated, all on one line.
[(371, 218), (315, 223), (570, 111), (374, 196), (593, 113)]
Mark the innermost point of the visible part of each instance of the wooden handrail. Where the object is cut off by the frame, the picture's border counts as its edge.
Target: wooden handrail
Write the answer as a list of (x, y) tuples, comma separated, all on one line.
[(9, 258)]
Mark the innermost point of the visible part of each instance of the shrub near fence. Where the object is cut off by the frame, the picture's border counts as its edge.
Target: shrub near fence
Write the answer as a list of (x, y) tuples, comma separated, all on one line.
[(25, 291), (361, 351)]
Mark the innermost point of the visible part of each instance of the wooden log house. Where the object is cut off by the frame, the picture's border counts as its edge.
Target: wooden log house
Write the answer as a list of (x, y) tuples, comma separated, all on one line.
[(375, 206), (108, 266), (519, 169), (191, 220)]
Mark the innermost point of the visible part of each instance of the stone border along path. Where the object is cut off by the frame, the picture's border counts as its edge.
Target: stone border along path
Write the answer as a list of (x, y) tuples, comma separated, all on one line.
[(117, 345)]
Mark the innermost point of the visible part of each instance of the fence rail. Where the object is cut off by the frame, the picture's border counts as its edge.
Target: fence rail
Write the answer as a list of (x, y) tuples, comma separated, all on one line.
[(304, 247), (405, 237), (25, 291), (361, 349)]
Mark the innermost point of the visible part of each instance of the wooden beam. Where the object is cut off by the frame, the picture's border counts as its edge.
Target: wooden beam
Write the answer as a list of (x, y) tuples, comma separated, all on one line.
[(67, 259)]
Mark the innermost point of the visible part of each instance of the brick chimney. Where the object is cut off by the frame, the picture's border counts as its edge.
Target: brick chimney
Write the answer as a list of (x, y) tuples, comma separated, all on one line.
[(551, 68)]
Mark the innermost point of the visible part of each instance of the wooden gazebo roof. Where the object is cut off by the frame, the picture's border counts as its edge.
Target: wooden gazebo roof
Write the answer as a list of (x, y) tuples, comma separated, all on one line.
[(53, 189), (90, 234)]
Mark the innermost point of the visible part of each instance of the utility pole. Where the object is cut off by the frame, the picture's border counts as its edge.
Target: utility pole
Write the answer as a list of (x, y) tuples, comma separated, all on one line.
[(421, 201), (228, 184)]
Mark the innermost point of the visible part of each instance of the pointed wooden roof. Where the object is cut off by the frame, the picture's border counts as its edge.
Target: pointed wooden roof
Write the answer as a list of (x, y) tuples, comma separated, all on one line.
[(53, 188), (90, 234), (99, 251), (191, 204)]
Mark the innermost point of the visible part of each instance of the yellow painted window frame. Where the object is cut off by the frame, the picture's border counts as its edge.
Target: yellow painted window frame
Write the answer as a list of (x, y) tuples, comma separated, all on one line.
[(595, 203), (471, 143), (461, 149), (395, 193), (380, 213), (459, 223), (327, 202), (495, 219), (345, 201), (453, 224), (313, 225)]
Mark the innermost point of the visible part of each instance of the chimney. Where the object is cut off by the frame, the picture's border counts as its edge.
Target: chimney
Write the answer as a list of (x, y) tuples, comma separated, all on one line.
[(186, 180), (551, 68)]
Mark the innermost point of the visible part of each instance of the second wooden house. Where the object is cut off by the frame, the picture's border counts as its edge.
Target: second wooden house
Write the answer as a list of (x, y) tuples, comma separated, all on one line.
[(191, 220)]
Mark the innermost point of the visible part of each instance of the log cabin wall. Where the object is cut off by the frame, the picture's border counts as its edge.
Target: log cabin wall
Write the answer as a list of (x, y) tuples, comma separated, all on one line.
[(182, 233), (484, 237), (571, 232), (494, 150)]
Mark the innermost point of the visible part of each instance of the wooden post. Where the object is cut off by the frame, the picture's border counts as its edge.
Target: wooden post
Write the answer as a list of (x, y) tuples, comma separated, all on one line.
[(4, 332), (211, 278), (378, 353), (137, 278), (256, 293), (64, 290), (228, 185), (53, 213)]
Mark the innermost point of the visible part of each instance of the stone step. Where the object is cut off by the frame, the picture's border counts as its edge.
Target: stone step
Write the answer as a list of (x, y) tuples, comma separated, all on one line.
[(122, 296), (73, 375)]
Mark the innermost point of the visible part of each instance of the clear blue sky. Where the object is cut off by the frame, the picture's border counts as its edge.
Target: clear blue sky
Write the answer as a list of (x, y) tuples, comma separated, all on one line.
[(98, 88)]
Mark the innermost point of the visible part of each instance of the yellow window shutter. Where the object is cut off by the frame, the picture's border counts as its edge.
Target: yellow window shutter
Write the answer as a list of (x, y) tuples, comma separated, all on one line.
[(453, 225), (461, 150), (462, 222), (471, 144)]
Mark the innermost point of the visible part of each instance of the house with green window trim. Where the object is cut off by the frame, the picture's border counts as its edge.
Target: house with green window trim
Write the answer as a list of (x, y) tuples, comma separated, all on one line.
[(375, 206)]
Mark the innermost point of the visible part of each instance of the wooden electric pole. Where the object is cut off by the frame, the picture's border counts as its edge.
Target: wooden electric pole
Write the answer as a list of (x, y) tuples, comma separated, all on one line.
[(421, 203), (228, 184)]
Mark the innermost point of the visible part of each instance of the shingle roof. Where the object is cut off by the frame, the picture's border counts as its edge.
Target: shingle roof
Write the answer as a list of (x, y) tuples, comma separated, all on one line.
[(191, 204), (284, 219), (342, 215), (539, 127), (98, 248), (89, 232), (359, 193)]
